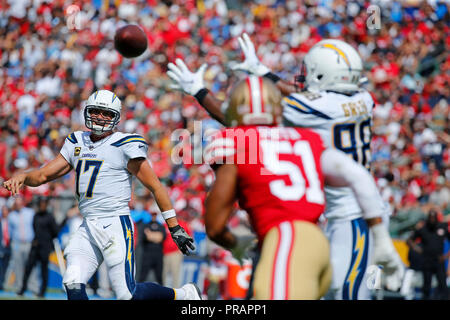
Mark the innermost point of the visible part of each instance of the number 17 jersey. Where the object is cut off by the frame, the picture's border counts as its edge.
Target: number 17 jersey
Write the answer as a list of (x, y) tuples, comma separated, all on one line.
[(102, 181), (344, 123)]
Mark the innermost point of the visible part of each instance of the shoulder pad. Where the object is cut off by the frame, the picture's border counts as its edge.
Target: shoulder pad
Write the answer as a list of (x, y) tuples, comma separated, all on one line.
[(72, 138), (300, 103), (128, 139), (310, 95)]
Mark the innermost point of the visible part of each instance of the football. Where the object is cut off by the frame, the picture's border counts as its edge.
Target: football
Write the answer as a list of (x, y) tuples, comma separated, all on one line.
[(130, 41)]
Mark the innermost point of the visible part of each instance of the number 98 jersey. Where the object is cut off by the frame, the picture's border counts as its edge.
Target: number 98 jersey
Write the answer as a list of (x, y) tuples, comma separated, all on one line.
[(102, 181), (343, 122), (279, 172)]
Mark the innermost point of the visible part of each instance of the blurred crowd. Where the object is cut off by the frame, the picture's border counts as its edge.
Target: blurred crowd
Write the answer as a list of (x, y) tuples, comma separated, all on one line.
[(53, 58)]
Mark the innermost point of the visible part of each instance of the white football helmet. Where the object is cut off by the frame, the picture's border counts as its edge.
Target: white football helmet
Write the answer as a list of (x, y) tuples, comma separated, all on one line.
[(332, 64), (103, 100)]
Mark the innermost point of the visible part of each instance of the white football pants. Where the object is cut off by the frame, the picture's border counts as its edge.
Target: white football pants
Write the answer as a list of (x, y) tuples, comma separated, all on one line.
[(108, 239), (350, 249)]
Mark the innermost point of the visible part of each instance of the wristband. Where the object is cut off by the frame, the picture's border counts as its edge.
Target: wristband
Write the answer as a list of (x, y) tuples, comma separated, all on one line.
[(272, 76), (169, 214), (201, 94), (174, 229)]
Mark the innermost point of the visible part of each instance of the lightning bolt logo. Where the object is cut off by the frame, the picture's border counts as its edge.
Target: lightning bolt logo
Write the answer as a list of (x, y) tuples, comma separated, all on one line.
[(129, 244), (339, 52), (358, 253)]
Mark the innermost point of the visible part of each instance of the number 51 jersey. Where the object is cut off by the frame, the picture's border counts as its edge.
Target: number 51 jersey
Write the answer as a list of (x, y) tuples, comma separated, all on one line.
[(343, 122), (103, 183), (279, 173)]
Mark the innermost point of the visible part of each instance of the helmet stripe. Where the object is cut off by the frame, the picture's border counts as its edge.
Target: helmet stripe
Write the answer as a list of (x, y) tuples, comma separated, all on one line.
[(339, 51), (262, 94), (249, 86), (255, 94)]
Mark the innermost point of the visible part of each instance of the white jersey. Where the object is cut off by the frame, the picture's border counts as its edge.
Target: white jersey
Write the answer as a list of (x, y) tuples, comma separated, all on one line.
[(343, 122), (103, 183)]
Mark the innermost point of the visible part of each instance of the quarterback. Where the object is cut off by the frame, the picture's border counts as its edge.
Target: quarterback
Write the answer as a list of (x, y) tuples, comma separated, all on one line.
[(104, 161), (333, 105)]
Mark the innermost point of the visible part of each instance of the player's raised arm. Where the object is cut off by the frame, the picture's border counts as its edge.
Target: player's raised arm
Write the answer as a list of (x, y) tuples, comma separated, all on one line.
[(56, 168), (192, 83), (141, 168), (341, 171), (252, 65)]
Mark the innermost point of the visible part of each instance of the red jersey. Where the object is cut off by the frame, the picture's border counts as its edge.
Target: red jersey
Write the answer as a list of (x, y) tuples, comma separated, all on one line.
[(279, 172)]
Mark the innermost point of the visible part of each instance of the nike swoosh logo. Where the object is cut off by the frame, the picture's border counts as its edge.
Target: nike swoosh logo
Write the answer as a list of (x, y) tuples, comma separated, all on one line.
[(104, 227), (141, 146)]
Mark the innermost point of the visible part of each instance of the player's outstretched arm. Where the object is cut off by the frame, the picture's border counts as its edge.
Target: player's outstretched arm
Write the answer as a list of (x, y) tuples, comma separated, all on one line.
[(192, 83), (341, 171), (56, 168), (141, 168), (253, 65)]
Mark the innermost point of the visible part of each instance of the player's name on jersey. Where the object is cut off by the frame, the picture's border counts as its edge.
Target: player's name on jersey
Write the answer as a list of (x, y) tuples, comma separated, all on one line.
[(354, 108)]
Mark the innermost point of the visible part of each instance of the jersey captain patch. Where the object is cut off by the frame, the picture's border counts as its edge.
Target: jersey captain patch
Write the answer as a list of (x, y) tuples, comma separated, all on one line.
[(77, 151)]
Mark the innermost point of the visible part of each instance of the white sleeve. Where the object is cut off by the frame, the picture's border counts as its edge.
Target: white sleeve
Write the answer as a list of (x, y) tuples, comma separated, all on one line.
[(67, 151), (341, 171), (134, 147)]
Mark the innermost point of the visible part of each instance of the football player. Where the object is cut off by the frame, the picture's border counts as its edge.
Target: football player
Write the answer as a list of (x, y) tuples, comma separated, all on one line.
[(332, 104), (278, 175), (104, 161)]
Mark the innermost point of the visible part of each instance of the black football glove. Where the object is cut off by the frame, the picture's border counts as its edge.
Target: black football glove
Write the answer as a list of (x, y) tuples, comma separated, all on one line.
[(182, 239)]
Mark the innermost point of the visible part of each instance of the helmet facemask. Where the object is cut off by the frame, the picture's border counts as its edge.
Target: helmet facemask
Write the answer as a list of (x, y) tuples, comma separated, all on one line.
[(99, 125), (102, 111)]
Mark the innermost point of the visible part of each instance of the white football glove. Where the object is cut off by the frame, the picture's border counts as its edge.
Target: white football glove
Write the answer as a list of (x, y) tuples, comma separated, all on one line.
[(384, 254), (185, 80), (251, 63), (243, 245)]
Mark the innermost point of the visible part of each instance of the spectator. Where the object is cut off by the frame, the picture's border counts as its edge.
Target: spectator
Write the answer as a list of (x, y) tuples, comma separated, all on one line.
[(173, 258), (441, 195), (5, 248), (140, 216), (432, 235), (45, 230), (152, 249), (22, 234)]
